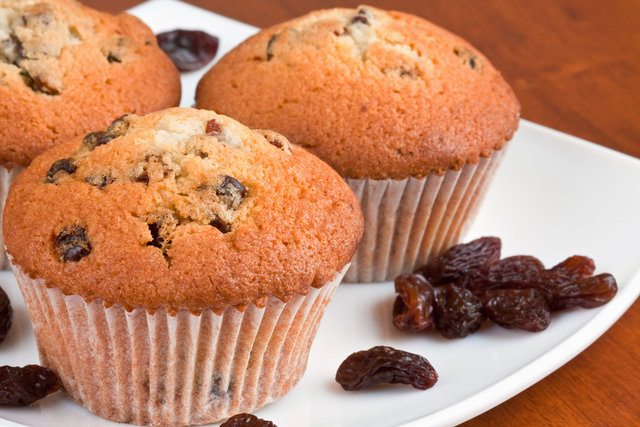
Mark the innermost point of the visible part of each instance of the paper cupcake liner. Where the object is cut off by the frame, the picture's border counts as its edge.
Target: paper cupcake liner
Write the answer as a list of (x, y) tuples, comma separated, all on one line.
[(7, 176), (163, 370), (408, 222)]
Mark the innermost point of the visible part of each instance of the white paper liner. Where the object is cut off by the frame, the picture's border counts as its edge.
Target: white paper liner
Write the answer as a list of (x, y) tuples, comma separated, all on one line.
[(7, 176), (163, 370), (408, 222)]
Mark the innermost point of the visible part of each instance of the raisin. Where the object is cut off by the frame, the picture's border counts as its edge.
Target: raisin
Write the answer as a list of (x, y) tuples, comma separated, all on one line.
[(272, 40), (100, 181), (189, 50), (410, 74), (516, 272), (117, 49), (276, 143), (154, 168), (360, 17), (344, 32), (96, 139), (275, 139), (231, 192), (218, 223), (575, 267), (247, 420), (38, 84), (413, 308), (72, 244), (6, 314), (469, 58), (459, 259), (23, 386), (119, 126), (563, 275), (458, 312), (66, 165), (143, 177), (517, 308), (586, 292), (213, 128), (162, 226), (382, 364), (15, 43)]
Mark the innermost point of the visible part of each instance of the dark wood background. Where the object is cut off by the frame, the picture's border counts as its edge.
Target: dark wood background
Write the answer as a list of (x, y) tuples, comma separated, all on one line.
[(575, 66)]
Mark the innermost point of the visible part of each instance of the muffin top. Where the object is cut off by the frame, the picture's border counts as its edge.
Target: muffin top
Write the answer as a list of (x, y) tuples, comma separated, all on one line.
[(375, 94), (66, 70), (181, 209)]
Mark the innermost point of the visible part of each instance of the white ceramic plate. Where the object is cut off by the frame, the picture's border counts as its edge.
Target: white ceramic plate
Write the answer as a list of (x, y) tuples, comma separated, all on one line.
[(554, 196)]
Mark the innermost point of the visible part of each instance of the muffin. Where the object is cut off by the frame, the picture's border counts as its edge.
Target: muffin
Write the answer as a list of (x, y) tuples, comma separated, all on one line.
[(176, 266), (66, 70), (411, 116)]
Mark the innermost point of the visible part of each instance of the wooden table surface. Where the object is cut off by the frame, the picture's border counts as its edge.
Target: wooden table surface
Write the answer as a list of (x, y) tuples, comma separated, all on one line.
[(575, 67)]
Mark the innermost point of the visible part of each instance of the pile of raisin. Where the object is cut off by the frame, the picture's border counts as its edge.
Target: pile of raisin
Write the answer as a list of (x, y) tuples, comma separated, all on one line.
[(473, 284)]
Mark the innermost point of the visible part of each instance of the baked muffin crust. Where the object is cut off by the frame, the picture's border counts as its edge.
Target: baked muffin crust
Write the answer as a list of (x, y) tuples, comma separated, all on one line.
[(181, 209), (66, 69), (375, 94)]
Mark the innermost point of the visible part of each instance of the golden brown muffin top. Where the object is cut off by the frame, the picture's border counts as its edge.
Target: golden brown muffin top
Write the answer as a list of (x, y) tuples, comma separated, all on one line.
[(375, 94), (178, 209), (66, 70)]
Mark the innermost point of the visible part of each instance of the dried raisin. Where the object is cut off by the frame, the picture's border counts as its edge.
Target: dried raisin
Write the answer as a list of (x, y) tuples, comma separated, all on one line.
[(72, 244), (566, 284), (469, 58), (586, 292), (119, 126), (575, 267), (218, 223), (413, 308), (231, 192), (212, 128), (360, 18), (460, 259), (517, 308), (516, 272), (6, 314), (100, 181), (247, 420), (272, 40), (63, 165), (189, 50), (458, 312), (96, 139), (23, 386), (382, 364)]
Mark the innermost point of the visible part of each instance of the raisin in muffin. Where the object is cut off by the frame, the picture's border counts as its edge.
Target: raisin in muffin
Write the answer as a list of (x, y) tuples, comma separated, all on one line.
[(66, 70), (412, 116), (176, 265)]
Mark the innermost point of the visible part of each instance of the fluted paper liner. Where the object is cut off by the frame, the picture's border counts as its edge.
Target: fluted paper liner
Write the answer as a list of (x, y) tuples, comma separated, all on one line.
[(408, 222), (7, 176), (163, 370)]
